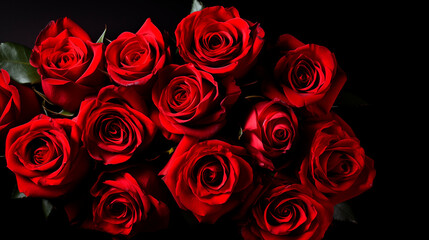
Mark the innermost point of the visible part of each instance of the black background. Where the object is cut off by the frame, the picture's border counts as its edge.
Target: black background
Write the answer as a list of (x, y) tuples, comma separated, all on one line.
[(368, 42)]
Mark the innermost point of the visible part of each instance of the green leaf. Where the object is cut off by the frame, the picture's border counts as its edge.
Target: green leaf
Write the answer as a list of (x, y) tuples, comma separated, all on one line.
[(65, 113), (15, 59), (196, 6), (240, 133), (101, 38), (16, 194), (343, 212), (47, 208)]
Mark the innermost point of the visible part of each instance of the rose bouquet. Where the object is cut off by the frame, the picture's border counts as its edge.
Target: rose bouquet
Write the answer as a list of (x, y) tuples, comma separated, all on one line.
[(209, 125)]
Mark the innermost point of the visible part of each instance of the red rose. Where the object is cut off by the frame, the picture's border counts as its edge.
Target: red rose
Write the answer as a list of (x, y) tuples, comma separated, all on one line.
[(336, 164), (270, 131), (191, 102), (68, 62), (133, 59), (218, 41), (288, 211), (209, 178), (307, 75), (18, 104), (46, 156), (115, 124), (128, 201)]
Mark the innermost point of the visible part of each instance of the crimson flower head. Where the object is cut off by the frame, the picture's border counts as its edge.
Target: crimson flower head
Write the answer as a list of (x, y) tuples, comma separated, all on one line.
[(70, 65), (217, 40)]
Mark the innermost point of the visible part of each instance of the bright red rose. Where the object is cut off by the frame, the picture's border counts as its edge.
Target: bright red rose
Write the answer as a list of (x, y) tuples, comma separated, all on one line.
[(115, 124), (270, 131), (68, 62), (288, 211), (307, 75), (128, 201), (218, 41), (336, 164), (18, 104), (133, 59), (47, 156), (191, 102), (209, 178)]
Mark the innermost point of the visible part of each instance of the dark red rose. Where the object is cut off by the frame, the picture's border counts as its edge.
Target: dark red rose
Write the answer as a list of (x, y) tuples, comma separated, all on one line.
[(307, 75), (336, 164), (115, 124), (133, 59), (191, 102), (128, 201), (46, 156), (218, 41), (288, 211), (209, 178), (270, 131), (18, 104), (68, 62)]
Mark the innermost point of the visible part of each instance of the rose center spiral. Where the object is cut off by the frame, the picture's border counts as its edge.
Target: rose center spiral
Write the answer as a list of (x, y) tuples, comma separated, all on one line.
[(210, 172), (39, 150)]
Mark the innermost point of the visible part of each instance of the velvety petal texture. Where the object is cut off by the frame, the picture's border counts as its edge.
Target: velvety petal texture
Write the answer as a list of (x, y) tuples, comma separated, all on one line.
[(191, 102), (336, 164), (209, 178), (218, 41), (134, 59), (306, 76), (115, 124), (289, 211), (270, 131), (127, 201), (47, 156), (228, 130), (18, 104), (70, 65)]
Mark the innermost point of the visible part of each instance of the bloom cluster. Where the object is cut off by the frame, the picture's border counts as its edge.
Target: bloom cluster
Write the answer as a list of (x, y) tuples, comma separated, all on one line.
[(219, 122)]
